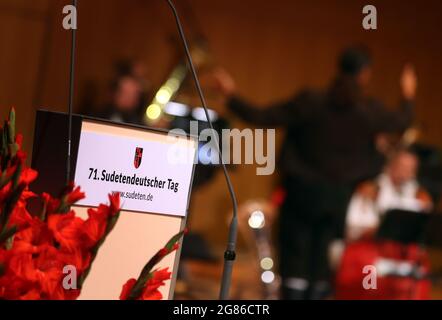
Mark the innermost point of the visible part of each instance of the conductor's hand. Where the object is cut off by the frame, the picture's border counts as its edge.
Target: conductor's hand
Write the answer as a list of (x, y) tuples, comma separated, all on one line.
[(224, 82), (408, 82)]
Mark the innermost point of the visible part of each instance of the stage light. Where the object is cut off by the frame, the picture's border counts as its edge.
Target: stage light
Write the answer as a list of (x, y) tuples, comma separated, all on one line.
[(266, 263), (173, 84), (200, 115), (176, 109), (257, 220), (163, 95), (267, 277), (153, 112)]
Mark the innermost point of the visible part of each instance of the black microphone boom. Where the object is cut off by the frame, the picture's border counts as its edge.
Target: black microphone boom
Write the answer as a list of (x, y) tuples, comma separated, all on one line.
[(71, 98), (229, 254)]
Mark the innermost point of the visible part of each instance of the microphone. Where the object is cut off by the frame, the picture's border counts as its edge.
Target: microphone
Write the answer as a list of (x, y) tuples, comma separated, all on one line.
[(229, 254), (71, 98)]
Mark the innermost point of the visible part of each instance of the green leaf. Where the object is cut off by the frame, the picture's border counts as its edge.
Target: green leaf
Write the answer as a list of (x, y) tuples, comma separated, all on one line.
[(9, 206), (174, 240), (7, 234), (11, 126), (4, 143), (13, 149), (16, 175), (4, 179), (138, 288)]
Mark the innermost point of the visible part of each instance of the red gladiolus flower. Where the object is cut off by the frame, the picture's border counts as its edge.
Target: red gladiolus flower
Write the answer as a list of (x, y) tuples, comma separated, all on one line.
[(71, 194), (32, 259), (78, 257), (127, 288), (94, 227), (35, 249), (32, 239), (51, 204), (20, 217), (150, 291), (75, 195), (49, 271), (165, 251), (27, 176), (13, 288), (152, 295), (19, 140), (114, 200), (20, 156), (33, 294), (66, 228), (29, 274)]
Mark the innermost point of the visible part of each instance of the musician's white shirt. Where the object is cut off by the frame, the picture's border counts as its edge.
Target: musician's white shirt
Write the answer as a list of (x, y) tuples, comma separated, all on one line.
[(364, 213)]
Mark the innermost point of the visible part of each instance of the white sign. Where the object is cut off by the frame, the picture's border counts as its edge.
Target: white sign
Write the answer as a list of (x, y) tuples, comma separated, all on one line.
[(138, 168)]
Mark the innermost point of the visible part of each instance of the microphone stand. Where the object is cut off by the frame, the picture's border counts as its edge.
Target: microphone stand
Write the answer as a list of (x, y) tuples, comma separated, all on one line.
[(229, 254), (71, 98)]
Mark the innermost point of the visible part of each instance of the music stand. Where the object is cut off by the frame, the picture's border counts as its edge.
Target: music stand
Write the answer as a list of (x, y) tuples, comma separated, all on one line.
[(404, 226)]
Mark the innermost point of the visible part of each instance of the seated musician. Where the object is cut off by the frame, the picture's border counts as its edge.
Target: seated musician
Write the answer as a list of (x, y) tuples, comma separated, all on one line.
[(395, 188)]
